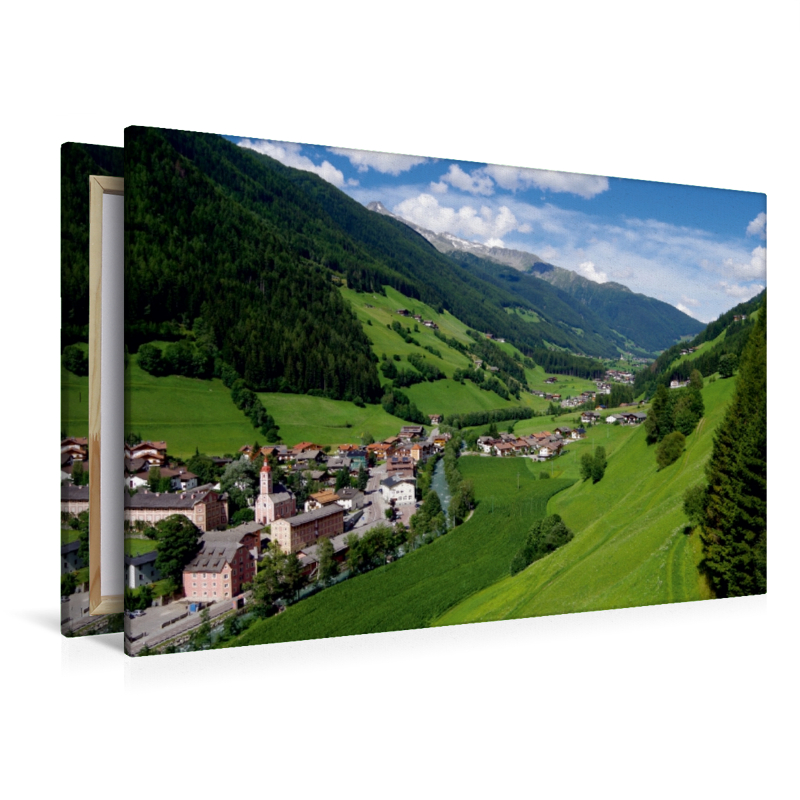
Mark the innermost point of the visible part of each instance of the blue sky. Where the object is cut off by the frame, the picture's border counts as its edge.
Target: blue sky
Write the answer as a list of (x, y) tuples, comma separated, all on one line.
[(701, 250)]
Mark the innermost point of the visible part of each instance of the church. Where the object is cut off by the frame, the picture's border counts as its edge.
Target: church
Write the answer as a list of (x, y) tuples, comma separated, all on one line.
[(273, 502)]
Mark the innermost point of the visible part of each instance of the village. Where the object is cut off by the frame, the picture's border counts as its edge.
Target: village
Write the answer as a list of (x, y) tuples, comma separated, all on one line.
[(379, 486)]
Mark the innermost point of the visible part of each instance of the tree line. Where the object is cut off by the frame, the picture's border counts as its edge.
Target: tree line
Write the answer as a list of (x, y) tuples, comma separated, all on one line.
[(730, 507)]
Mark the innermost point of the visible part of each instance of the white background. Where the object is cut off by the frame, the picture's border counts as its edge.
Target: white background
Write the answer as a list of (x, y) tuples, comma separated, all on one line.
[(695, 700)]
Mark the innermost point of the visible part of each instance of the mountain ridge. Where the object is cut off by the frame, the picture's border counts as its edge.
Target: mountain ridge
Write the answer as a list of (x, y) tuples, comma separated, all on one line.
[(646, 321)]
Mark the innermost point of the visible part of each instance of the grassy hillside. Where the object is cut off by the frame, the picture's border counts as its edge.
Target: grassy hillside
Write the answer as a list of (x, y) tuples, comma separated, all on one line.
[(629, 549), (75, 401), (190, 413), (418, 588)]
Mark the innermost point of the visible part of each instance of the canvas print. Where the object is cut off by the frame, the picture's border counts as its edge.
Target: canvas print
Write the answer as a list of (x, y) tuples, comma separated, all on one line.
[(372, 392), (78, 162)]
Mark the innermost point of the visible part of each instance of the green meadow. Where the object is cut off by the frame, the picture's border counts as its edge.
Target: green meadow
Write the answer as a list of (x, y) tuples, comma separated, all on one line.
[(440, 397), (418, 588), (138, 547), (190, 414), (630, 547), (75, 402)]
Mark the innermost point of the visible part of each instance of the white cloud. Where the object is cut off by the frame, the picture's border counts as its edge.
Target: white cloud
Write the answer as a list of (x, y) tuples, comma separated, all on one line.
[(756, 267), (439, 188), (494, 243), (587, 269), (289, 154), (682, 307), (740, 292), (689, 301), (758, 226), (467, 221), (475, 183), (386, 163), (513, 178)]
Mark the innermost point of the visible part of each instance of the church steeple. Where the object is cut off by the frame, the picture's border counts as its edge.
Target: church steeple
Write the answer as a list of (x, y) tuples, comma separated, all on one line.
[(266, 479)]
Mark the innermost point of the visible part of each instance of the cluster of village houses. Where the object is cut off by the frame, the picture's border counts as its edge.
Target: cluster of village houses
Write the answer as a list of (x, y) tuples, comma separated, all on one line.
[(546, 445), (228, 556), (428, 323), (603, 387)]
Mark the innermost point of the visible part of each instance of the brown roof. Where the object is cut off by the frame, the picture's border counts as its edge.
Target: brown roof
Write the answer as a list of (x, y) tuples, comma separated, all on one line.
[(325, 497)]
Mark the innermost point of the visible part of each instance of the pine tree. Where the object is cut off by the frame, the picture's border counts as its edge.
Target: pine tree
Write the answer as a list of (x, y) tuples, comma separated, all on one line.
[(735, 519)]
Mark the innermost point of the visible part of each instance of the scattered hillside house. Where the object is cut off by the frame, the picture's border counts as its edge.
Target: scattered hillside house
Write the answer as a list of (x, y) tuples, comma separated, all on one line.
[(485, 443), (521, 446), (612, 418), (565, 432), (633, 419), (408, 432), (401, 490), (418, 317), (503, 449), (321, 499), (141, 570), (226, 561), (579, 433), (273, 501), (154, 453), (402, 312), (295, 533), (348, 449), (74, 448), (739, 317), (436, 419), (70, 560), (204, 506), (349, 498), (74, 499), (429, 323), (590, 418), (549, 449), (678, 384), (551, 379)]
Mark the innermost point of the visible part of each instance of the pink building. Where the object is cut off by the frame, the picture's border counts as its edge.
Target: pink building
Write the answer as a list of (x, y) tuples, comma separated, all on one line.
[(226, 561)]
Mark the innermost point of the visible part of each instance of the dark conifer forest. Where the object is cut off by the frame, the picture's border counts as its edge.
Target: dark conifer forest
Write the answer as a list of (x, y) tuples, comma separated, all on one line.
[(735, 504)]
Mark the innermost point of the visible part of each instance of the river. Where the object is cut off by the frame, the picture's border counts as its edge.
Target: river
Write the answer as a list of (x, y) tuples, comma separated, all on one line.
[(439, 485)]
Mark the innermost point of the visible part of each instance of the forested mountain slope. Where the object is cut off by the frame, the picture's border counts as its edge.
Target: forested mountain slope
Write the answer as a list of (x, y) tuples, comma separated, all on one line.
[(255, 250), (648, 323)]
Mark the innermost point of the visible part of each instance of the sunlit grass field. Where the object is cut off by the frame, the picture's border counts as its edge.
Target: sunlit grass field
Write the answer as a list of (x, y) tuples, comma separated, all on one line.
[(630, 547)]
